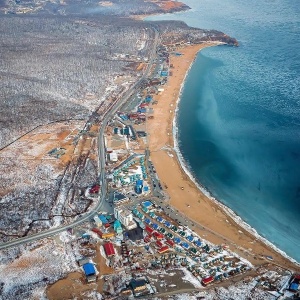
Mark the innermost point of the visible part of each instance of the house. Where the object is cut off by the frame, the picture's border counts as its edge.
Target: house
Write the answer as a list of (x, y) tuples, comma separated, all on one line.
[(113, 156), (89, 269), (147, 239), (109, 249), (163, 249), (97, 221), (170, 243), (149, 230), (158, 244), (207, 280), (95, 189), (158, 236), (90, 272)]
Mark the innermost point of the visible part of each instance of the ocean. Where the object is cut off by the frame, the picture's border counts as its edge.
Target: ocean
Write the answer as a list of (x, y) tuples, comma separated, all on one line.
[(238, 120)]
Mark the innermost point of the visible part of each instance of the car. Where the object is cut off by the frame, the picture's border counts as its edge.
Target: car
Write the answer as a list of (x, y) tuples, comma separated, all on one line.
[(176, 214)]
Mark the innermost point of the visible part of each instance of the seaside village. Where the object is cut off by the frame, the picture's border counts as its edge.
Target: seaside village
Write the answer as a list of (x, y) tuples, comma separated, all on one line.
[(138, 245)]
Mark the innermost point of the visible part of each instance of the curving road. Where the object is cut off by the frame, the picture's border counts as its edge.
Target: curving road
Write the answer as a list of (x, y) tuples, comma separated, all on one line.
[(101, 152)]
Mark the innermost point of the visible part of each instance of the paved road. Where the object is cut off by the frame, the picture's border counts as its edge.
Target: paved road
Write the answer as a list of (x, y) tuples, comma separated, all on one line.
[(101, 164)]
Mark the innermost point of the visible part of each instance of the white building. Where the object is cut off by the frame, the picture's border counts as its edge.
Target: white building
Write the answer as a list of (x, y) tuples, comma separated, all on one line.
[(125, 217), (97, 221), (113, 156)]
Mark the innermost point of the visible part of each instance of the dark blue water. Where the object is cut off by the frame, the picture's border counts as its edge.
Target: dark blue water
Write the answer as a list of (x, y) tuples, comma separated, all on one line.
[(242, 138)]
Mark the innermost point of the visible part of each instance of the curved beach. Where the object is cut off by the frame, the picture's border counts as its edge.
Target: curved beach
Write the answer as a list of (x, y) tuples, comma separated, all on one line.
[(213, 220)]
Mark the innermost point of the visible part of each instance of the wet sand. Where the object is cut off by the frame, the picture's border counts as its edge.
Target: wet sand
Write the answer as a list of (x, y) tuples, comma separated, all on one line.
[(218, 226)]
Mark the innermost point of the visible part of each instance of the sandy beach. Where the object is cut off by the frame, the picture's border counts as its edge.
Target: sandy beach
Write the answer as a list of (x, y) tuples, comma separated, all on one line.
[(212, 223)]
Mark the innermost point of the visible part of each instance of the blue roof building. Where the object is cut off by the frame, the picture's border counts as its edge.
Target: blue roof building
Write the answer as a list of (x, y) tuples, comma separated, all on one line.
[(294, 287), (154, 226), (197, 243), (190, 238), (146, 203), (118, 227), (159, 219), (177, 240), (168, 224), (89, 269), (148, 98), (103, 219), (185, 245), (147, 221)]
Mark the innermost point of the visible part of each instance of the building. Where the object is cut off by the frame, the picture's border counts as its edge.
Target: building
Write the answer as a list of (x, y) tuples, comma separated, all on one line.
[(163, 249), (103, 219), (125, 217), (83, 261), (139, 186), (158, 244), (113, 156), (117, 227), (138, 286), (89, 269), (107, 235), (149, 230), (97, 221), (119, 198), (147, 204), (109, 249), (90, 272), (207, 280), (98, 231), (157, 235), (103, 235), (170, 243), (95, 189), (135, 234)]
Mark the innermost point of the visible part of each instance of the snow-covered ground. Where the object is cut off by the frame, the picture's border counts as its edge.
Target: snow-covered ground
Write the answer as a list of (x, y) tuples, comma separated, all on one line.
[(26, 271)]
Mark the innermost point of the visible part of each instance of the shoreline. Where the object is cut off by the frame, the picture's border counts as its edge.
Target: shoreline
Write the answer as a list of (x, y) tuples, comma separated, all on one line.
[(243, 239)]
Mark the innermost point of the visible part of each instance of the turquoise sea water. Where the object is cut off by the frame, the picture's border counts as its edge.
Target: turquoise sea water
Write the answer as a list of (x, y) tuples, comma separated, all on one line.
[(238, 120)]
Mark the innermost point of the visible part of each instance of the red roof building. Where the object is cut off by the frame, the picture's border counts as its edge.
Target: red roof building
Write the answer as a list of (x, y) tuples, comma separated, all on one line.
[(144, 104), (109, 249), (163, 249), (170, 243), (159, 244), (149, 230), (99, 232), (207, 280), (95, 189), (158, 235), (147, 239)]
